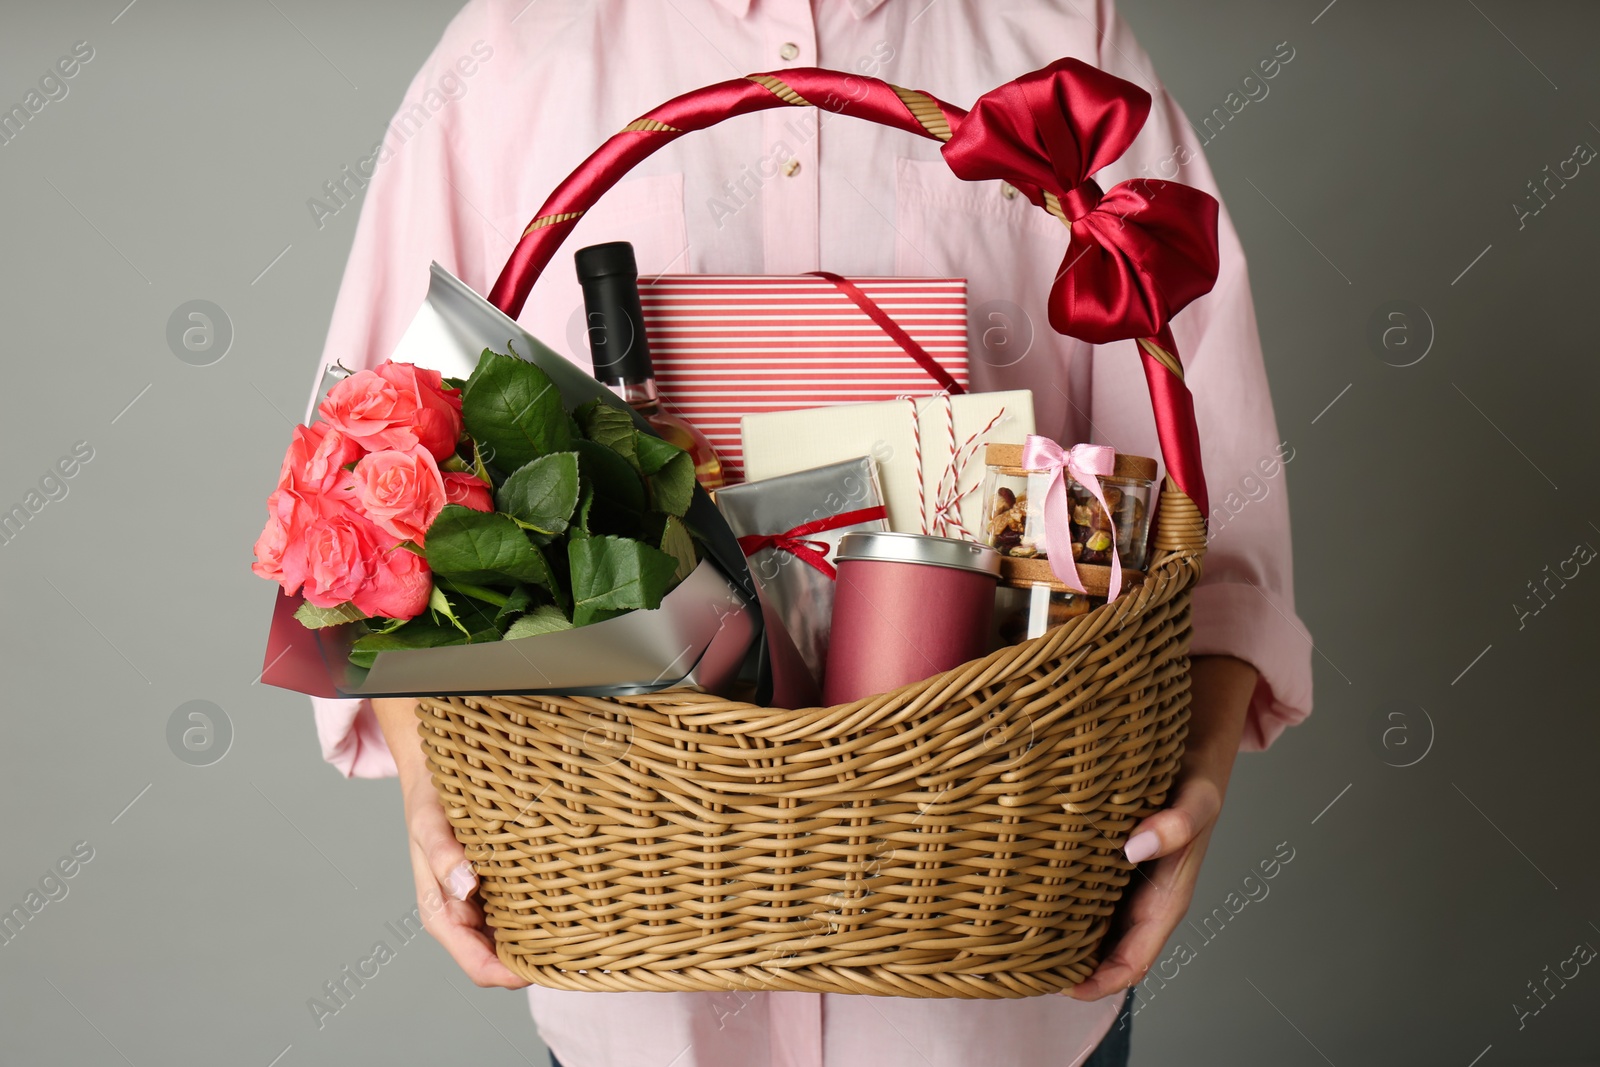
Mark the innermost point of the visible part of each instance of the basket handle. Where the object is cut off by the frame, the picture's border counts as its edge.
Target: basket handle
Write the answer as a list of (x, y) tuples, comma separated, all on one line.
[(1045, 130)]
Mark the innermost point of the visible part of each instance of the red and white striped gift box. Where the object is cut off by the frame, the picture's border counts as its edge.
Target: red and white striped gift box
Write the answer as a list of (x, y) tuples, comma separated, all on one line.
[(726, 346)]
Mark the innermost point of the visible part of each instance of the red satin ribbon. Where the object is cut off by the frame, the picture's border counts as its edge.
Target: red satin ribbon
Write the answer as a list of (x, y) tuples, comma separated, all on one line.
[(894, 330), (1175, 425), (813, 552)]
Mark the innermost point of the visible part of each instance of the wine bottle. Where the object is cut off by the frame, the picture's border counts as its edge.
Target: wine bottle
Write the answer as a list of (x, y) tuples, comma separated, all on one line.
[(621, 350)]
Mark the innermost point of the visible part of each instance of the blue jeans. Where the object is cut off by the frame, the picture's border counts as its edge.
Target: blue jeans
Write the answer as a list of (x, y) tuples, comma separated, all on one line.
[(1113, 1051)]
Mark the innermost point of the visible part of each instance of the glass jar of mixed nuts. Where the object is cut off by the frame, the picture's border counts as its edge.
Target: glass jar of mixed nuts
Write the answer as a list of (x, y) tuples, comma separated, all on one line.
[(1014, 509), (1024, 610)]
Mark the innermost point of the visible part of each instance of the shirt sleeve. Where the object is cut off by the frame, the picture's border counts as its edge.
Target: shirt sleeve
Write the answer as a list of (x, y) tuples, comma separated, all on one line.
[(418, 206), (1244, 603)]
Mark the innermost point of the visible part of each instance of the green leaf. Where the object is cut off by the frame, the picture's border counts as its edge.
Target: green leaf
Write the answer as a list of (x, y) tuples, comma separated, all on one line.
[(560, 587), (513, 410), (518, 602), (613, 575), (670, 470), (466, 613), (654, 452), (619, 498), (609, 425), (545, 619), (672, 486), (420, 632), (580, 519), (541, 495), (315, 618), (484, 547), (676, 542)]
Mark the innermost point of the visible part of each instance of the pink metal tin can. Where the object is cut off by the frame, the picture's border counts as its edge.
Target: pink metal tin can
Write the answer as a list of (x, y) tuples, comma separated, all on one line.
[(907, 606)]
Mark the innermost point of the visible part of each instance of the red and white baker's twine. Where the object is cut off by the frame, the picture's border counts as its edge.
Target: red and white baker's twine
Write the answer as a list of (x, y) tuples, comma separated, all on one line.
[(916, 444), (947, 502)]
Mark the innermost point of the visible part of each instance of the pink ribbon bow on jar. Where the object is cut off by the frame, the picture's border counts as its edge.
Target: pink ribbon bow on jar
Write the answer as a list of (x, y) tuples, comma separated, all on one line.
[(1085, 464)]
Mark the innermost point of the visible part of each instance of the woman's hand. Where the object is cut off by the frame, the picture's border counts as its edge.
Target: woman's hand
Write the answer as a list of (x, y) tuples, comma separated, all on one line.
[(1176, 837), (445, 881)]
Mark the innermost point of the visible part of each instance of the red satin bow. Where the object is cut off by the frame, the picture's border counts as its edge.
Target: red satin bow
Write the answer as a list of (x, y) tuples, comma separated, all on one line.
[(815, 553), (1140, 251)]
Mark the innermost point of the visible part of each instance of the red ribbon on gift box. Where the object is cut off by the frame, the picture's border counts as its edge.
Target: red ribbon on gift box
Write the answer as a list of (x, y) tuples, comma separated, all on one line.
[(870, 308), (815, 553)]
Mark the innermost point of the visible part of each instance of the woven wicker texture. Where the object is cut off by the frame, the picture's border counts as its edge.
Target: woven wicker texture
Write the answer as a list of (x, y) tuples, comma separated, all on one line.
[(959, 837)]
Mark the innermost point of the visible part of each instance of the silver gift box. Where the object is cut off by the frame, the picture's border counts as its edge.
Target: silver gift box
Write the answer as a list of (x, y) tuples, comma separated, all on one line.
[(799, 593), (699, 636)]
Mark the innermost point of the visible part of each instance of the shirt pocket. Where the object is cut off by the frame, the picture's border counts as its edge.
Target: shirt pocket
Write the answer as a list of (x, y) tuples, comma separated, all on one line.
[(646, 211), (1006, 248), (1008, 251)]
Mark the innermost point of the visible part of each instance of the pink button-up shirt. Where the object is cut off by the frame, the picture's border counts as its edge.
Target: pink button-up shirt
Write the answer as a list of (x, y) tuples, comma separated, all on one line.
[(514, 97)]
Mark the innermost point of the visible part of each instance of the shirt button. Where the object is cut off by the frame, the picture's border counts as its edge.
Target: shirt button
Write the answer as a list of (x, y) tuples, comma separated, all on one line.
[(1008, 190), (789, 51), (791, 167)]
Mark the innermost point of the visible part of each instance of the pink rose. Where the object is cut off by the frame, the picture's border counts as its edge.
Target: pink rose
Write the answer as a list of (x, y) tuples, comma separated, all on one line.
[(468, 490), (272, 545), (280, 549), (315, 457), (341, 553), (399, 586), (396, 407), (400, 492), (331, 533), (340, 557)]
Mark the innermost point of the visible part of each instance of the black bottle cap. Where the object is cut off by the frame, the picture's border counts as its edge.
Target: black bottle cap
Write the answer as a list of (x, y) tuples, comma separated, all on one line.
[(613, 319), (612, 259)]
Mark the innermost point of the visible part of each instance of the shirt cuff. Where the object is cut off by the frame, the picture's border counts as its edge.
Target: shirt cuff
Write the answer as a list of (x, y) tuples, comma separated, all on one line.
[(1237, 619), (351, 739)]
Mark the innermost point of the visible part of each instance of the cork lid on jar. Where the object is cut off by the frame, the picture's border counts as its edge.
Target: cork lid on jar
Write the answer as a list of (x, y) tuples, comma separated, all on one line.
[(1096, 578), (1009, 458)]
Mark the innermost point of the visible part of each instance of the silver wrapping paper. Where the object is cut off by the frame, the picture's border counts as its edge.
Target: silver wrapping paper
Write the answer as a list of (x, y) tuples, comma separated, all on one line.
[(698, 637), (800, 594)]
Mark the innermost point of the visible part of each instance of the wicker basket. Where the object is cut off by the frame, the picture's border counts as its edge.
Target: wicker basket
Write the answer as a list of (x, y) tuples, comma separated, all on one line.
[(959, 837)]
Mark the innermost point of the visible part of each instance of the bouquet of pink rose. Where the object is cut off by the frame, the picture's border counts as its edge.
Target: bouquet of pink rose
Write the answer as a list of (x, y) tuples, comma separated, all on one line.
[(428, 511)]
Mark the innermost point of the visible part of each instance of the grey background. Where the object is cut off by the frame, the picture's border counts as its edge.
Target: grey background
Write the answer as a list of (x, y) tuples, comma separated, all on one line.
[(1381, 167)]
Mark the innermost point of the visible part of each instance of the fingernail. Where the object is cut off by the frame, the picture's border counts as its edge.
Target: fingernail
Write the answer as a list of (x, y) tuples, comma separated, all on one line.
[(1142, 846), (462, 881)]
